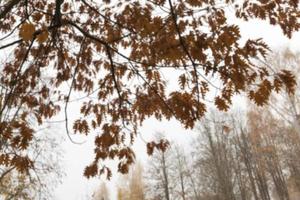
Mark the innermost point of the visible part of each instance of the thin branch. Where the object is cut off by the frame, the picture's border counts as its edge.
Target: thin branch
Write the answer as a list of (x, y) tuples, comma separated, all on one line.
[(36, 33), (148, 84), (12, 31), (9, 95), (10, 44), (6, 172), (184, 48), (112, 70), (8, 7), (68, 98), (106, 18)]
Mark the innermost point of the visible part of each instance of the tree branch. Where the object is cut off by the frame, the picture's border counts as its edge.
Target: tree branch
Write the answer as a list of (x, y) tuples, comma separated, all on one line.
[(6, 172), (8, 7), (10, 44), (184, 48), (68, 98)]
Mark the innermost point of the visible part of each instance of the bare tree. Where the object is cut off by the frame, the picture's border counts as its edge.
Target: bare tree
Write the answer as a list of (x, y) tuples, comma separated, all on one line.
[(158, 176)]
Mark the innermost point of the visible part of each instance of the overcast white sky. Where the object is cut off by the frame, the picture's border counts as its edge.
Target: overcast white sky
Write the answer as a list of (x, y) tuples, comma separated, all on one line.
[(76, 187)]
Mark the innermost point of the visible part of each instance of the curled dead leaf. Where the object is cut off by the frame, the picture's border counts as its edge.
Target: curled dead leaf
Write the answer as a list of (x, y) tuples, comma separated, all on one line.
[(27, 31), (41, 38)]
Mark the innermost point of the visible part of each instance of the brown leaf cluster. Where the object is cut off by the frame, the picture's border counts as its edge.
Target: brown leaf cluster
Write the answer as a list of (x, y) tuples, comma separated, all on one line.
[(115, 54)]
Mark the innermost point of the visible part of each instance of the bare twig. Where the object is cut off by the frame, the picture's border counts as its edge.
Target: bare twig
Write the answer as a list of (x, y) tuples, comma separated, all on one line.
[(8, 7), (68, 98)]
